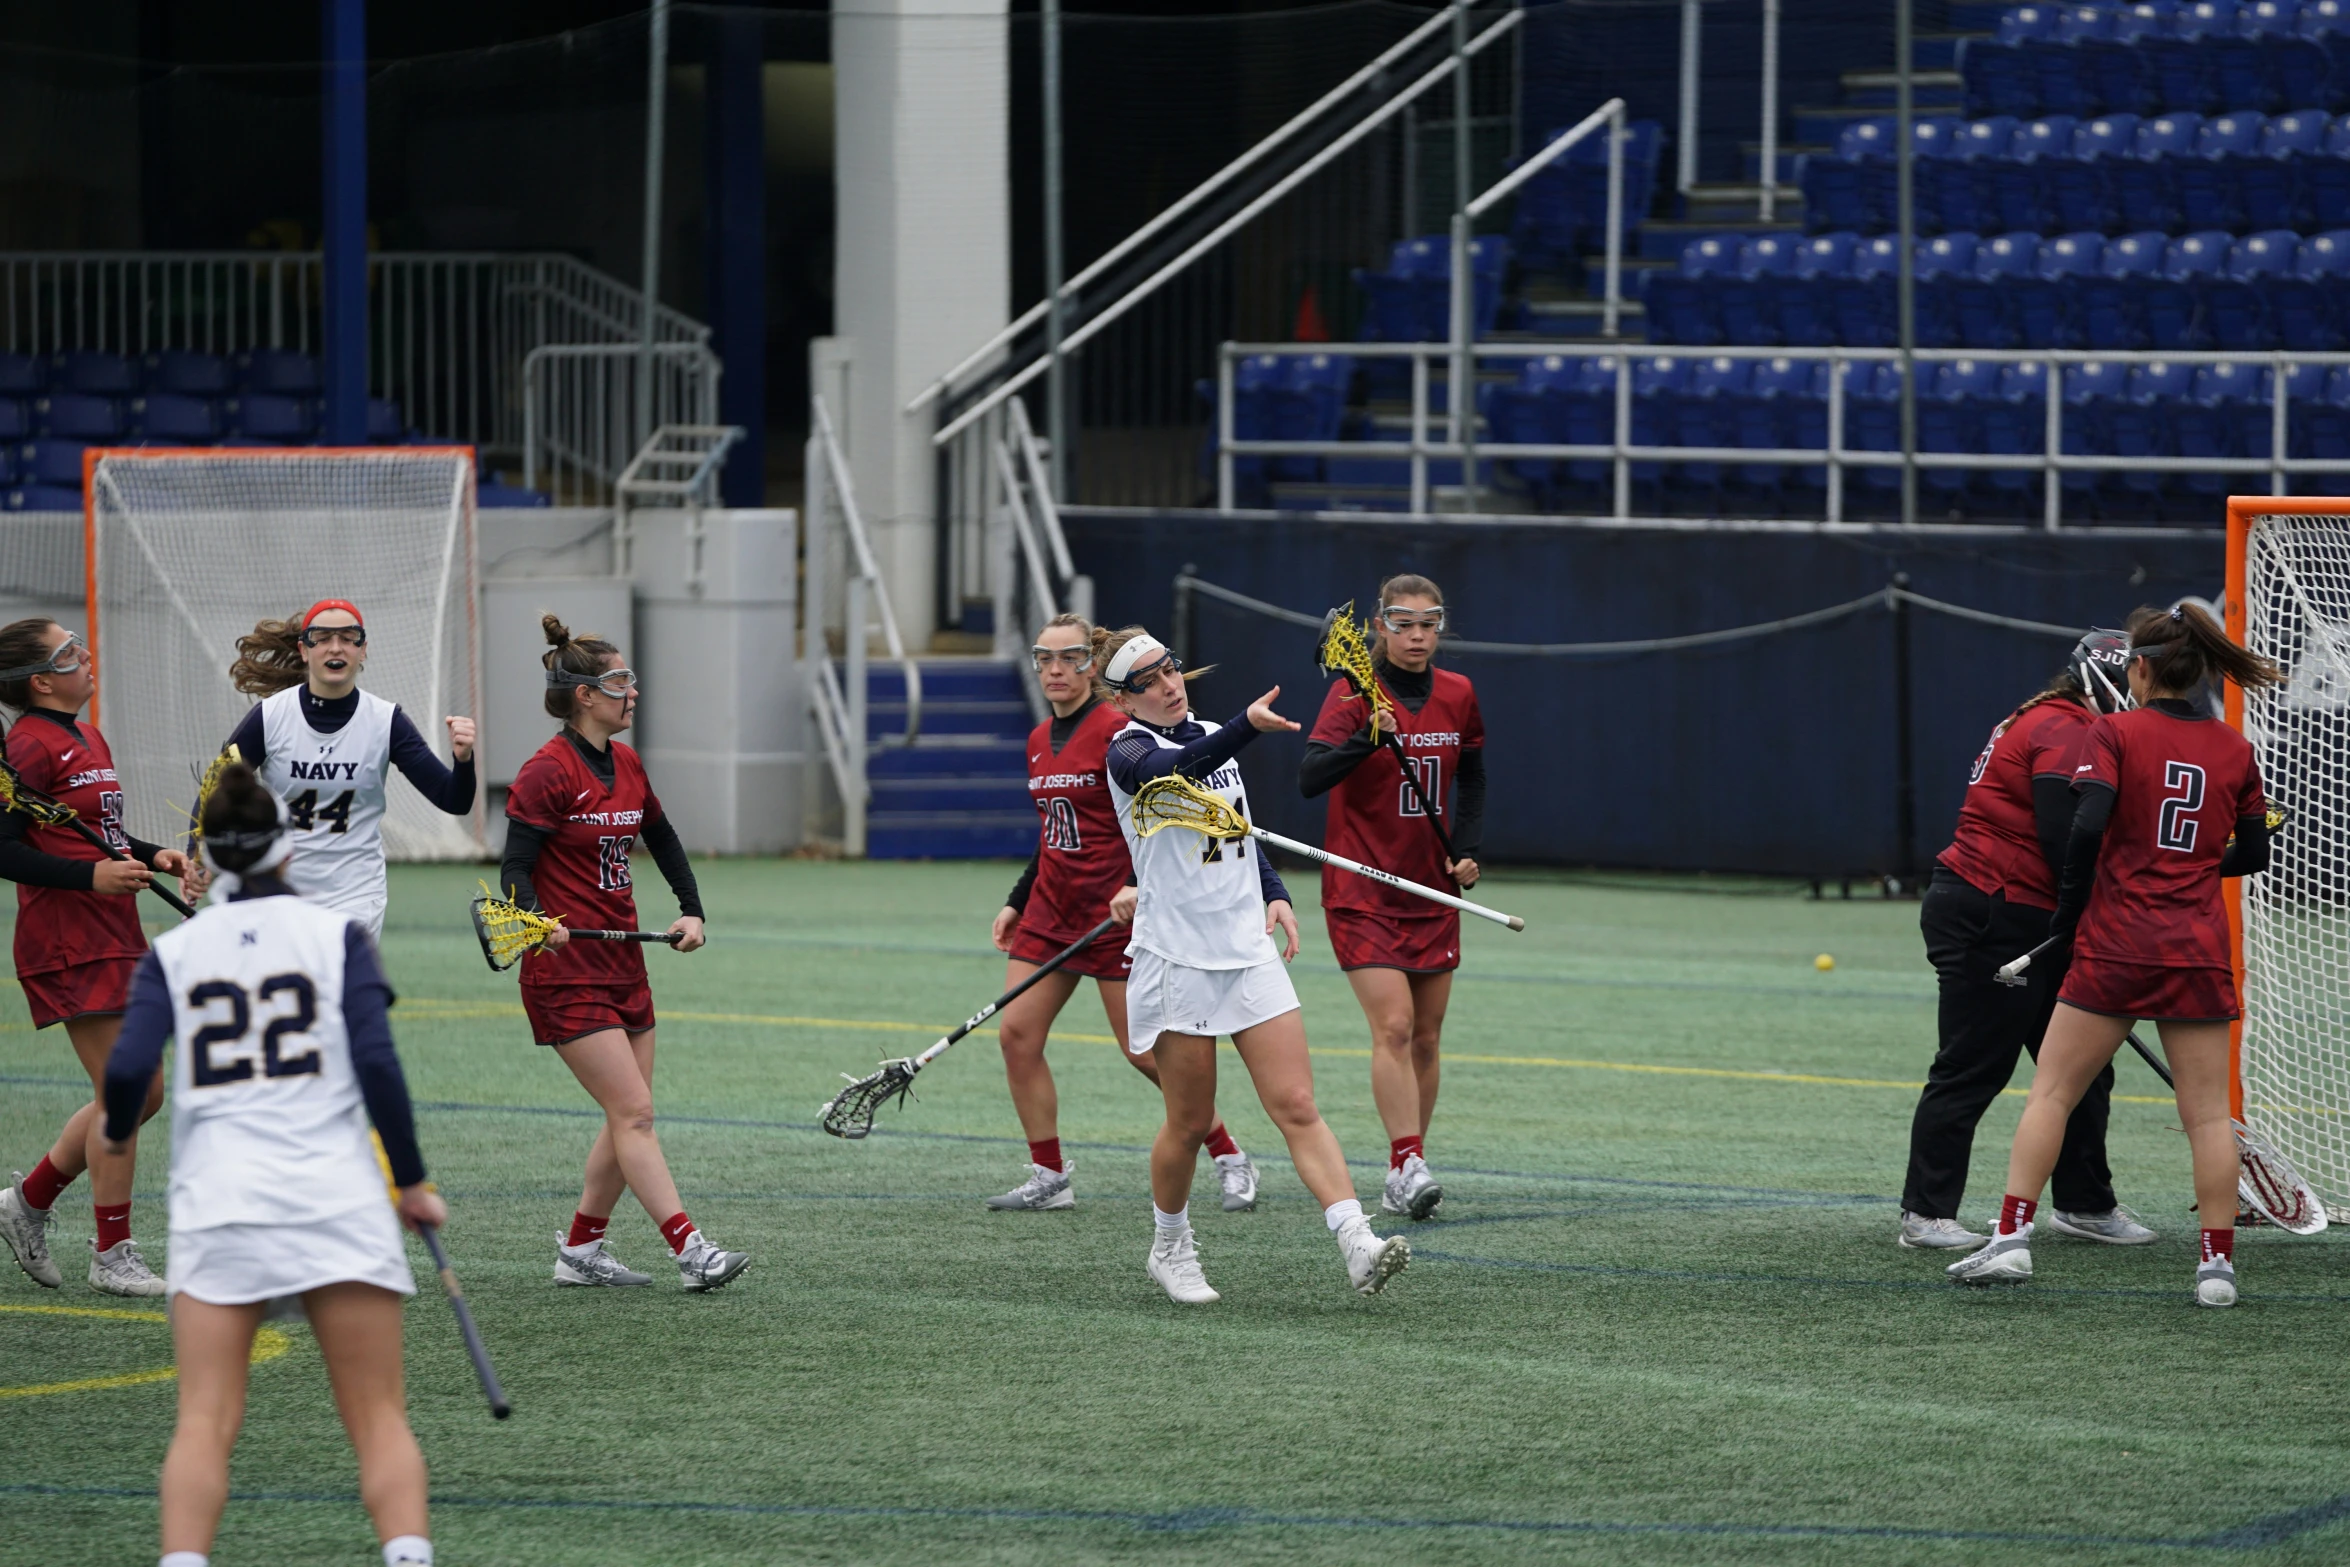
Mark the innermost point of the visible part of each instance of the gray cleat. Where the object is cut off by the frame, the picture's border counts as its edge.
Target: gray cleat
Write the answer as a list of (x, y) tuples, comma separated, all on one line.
[(2005, 1259), (702, 1266), (2215, 1283), (120, 1270), (2116, 1226), (592, 1264), (26, 1230), (1042, 1190), (1237, 1174), (1936, 1234), (1411, 1191), (1372, 1259)]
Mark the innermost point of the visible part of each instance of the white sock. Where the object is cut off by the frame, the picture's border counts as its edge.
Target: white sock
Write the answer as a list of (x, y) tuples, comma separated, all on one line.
[(1341, 1214), (1171, 1223), (185, 1559), (408, 1550)]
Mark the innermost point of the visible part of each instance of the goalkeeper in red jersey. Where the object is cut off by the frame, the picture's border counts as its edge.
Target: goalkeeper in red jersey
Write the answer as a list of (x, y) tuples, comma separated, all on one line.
[(1079, 875), (1399, 952), (2170, 802)]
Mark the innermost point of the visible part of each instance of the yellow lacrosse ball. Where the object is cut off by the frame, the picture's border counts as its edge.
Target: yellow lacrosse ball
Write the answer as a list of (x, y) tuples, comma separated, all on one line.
[(1823, 962)]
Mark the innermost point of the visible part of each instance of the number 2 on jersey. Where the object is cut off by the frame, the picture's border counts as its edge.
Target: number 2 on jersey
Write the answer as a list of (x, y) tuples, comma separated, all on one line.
[(306, 812), (2177, 830)]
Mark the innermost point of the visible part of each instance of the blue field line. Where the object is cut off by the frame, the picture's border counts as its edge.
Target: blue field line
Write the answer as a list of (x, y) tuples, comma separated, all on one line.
[(2260, 1533)]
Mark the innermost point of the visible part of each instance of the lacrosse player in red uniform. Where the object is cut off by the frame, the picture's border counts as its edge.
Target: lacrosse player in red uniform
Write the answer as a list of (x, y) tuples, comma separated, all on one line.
[(1079, 875), (1991, 899), (77, 942), (576, 809), (2162, 789), (1399, 952)]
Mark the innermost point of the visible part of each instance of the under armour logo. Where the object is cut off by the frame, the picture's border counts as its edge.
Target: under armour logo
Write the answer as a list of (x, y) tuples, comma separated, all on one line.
[(250, 938)]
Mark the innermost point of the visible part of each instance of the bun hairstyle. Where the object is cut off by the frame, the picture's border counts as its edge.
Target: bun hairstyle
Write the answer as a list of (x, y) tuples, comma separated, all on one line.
[(1105, 647), (2187, 649), (240, 821), (269, 660), (22, 642), (574, 656)]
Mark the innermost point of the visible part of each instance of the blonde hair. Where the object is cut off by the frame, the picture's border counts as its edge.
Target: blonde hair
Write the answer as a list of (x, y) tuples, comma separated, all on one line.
[(1105, 647)]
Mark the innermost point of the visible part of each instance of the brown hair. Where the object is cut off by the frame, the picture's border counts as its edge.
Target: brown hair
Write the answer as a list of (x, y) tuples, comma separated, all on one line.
[(240, 805), (22, 642), (574, 656), (2063, 686), (1404, 584), (1105, 647), (2188, 648), (1086, 630), (270, 659)]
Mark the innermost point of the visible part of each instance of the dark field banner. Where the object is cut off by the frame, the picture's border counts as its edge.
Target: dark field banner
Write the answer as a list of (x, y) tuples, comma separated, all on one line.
[(1779, 753)]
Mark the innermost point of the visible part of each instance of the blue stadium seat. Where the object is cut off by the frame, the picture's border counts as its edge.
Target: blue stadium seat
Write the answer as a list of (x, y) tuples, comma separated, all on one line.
[(94, 374), (2173, 302), (78, 416), (1805, 298), (1962, 191), (1747, 304), (1944, 264), (1998, 72), (187, 374), (1864, 302), (2325, 178), (1562, 211), (2299, 70), (16, 419), (2240, 397), (2017, 180), (1947, 423), (2268, 180), (489, 494), (169, 417), (2209, 181), (50, 461), (2061, 68), (2236, 304), (1704, 414), (2144, 186), (1982, 303), (280, 371), (1937, 140), (1680, 305), (2183, 62), (22, 375), (385, 425), (2046, 304), (2305, 305), (2111, 311), (2186, 428), (2318, 414), (269, 417), (2075, 190), (2121, 67), (45, 497)]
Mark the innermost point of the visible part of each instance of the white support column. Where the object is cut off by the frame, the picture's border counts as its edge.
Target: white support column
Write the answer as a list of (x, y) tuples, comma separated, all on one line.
[(922, 265)]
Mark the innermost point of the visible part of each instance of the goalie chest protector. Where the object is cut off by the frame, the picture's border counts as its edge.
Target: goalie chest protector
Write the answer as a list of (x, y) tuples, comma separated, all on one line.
[(1202, 901), (333, 786)]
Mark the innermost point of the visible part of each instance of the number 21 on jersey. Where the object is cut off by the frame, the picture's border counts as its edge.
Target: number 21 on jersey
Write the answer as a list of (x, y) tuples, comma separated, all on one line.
[(1430, 771)]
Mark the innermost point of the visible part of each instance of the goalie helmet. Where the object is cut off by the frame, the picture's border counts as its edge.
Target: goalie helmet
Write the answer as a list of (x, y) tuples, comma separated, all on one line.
[(2100, 662)]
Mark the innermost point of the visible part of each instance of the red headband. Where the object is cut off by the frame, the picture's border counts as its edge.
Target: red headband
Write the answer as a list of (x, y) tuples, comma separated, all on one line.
[(323, 605)]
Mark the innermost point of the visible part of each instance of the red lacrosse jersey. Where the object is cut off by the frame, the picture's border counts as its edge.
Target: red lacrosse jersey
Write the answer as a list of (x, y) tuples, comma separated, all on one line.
[(1081, 858), (1374, 817), (57, 928), (2180, 786), (1997, 846), (582, 872)]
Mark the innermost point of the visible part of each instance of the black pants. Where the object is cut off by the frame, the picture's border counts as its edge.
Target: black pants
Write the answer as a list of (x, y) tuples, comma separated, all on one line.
[(1985, 1025)]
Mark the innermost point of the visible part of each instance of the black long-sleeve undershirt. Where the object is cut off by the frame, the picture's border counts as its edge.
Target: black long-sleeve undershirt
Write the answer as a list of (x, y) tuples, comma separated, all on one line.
[(1326, 766), (2053, 802), (1134, 761), (659, 836), (2248, 855), (20, 862)]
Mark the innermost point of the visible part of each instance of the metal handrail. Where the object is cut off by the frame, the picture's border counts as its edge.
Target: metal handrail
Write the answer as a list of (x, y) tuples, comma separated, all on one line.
[(1134, 296), (592, 437), (854, 525), (1199, 193), (2051, 461), (1047, 507)]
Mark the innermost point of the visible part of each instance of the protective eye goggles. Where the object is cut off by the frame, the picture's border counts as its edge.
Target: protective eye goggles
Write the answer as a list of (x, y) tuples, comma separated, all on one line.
[(1141, 680), (320, 636), (614, 683), (65, 658), (1412, 619), (1077, 658)]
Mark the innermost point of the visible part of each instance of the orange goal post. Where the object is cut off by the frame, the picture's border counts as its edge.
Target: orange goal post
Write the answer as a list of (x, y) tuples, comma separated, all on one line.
[(2288, 599), (186, 548)]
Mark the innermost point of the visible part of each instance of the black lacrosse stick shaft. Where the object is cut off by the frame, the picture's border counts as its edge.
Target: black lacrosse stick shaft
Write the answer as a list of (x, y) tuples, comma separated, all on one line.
[(499, 1408), (2161, 1070), (63, 816), (1411, 781)]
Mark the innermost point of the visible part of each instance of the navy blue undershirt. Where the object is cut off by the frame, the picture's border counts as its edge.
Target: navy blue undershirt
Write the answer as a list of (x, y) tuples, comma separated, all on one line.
[(1134, 761), (449, 788)]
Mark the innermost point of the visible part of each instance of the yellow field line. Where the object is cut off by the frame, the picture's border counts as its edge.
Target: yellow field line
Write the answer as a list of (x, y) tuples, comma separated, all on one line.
[(268, 1344)]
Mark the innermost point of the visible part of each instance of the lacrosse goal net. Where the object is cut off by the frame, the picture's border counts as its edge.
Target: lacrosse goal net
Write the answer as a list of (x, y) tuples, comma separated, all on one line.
[(187, 548), (2289, 600)]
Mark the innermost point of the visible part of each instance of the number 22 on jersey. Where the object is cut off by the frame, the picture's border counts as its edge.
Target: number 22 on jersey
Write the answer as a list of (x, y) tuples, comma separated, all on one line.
[(223, 1050)]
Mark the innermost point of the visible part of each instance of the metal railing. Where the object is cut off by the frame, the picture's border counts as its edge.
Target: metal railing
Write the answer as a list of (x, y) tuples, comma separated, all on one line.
[(1765, 190), (839, 552), (1426, 443), (582, 404), (448, 331), (1032, 578)]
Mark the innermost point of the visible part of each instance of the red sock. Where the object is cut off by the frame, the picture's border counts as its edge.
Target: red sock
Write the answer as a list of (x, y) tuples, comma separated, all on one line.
[(1045, 1151), (114, 1224), (41, 1188), (2220, 1244), (1219, 1142), (2016, 1212), (586, 1228), (1405, 1148), (676, 1230)]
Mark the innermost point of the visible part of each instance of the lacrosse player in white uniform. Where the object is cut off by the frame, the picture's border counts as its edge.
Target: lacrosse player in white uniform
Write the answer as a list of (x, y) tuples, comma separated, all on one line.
[(1205, 964), (327, 749), (277, 1201)]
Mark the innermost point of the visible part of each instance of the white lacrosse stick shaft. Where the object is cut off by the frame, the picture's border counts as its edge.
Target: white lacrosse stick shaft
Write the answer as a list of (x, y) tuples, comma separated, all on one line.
[(1386, 878)]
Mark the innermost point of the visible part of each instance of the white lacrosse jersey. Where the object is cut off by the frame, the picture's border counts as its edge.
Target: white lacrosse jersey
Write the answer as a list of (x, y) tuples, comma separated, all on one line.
[(333, 786), (1202, 900), (267, 1122)]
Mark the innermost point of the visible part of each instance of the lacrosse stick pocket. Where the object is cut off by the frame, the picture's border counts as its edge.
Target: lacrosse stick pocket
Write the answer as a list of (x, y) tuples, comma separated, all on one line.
[(507, 931), (849, 1113)]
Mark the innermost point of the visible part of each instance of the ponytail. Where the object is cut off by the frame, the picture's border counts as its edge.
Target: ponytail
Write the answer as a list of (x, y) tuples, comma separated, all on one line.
[(574, 656), (270, 660), (2186, 649), (22, 642)]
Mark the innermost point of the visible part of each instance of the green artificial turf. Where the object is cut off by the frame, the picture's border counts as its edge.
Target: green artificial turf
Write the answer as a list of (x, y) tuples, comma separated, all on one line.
[(1660, 1319)]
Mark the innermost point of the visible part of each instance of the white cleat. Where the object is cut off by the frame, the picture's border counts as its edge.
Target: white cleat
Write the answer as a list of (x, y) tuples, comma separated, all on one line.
[(2215, 1283), (592, 1264), (2006, 1259), (1411, 1191), (120, 1270), (1371, 1260), (1174, 1267), (26, 1230), (1926, 1234), (702, 1266), (1238, 1176), (1042, 1190), (2116, 1226)]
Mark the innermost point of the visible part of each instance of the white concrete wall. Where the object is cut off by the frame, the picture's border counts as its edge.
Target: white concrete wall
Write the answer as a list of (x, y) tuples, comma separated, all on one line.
[(922, 264)]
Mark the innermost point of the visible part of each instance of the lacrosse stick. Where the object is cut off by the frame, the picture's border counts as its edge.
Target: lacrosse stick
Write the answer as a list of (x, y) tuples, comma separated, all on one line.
[(1175, 801), (849, 1113), (42, 811), (499, 1408), (2267, 1184), (509, 932), (2013, 973), (1344, 650)]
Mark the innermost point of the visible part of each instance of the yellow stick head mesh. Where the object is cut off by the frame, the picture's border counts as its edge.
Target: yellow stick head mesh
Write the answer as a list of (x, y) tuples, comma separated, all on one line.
[(205, 784), (1346, 650), (34, 808), (1175, 801), (508, 931)]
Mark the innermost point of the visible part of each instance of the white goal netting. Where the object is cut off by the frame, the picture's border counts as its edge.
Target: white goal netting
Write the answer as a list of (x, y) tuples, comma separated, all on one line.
[(188, 549), (2296, 1043)]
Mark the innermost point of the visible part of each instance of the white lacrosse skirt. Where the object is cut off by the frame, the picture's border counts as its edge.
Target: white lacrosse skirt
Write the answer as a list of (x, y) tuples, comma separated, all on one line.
[(1173, 998), (237, 1264)]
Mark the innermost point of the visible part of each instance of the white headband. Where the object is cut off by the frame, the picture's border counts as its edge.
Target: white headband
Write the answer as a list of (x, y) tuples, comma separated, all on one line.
[(1123, 661), (225, 882)]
